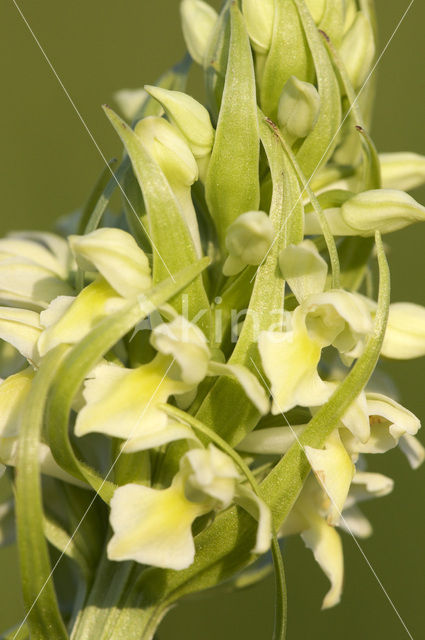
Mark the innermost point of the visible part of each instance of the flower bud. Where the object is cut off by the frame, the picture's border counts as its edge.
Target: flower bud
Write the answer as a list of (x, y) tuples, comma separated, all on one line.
[(405, 334), (169, 149), (403, 171), (298, 109), (259, 17), (247, 241), (358, 50), (115, 254), (384, 210), (189, 116), (350, 11), (198, 22), (130, 101)]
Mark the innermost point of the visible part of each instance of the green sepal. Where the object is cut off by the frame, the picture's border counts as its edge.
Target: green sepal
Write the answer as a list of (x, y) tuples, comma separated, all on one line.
[(232, 184), (170, 238)]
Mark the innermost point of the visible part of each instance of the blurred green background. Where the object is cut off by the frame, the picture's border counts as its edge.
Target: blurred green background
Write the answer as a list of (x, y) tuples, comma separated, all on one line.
[(49, 164)]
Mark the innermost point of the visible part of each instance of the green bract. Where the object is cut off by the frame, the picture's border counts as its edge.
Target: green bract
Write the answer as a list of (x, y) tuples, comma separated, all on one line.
[(176, 377)]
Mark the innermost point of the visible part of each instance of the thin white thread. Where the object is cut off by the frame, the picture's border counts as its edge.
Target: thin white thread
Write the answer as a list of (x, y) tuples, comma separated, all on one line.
[(337, 509), (307, 184), (83, 122), (93, 500)]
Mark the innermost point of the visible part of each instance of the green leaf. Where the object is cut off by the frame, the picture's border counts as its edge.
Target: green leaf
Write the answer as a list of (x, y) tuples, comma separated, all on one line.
[(288, 56), (319, 144), (232, 184), (226, 407), (170, 238), (43, 616), (81, 359)]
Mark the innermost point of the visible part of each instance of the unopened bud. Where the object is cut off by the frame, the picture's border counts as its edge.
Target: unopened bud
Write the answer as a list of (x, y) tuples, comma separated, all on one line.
[(358, 50), (259, 18), (403, 171), (189, 116), (198, 22), (298, 109), (130, 101), (384, 210), (247, 241), (405, 333), (168, 147)]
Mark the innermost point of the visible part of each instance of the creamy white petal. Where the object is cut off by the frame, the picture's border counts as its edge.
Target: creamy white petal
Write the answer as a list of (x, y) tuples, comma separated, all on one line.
[(187, 344), (153, 526), (326, 546), (402, 170), (304, 269), (124, 402), (413, 450), (355, 523), (367, 485), (251, 385), (33, 252), (116, 255), (334, 470), (209, 473), (271, 441), (68, 320), (156, 438), (57, 245), (405, 333), (290, 362), (356, 418), (21, 278), (13, 393), (21, 328)]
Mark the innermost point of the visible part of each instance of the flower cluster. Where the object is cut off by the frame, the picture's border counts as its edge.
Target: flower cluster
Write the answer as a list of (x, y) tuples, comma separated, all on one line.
[(265, 204)]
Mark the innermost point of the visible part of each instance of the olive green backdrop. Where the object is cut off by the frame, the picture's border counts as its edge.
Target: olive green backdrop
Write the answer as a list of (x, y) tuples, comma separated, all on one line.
[(48, 165)]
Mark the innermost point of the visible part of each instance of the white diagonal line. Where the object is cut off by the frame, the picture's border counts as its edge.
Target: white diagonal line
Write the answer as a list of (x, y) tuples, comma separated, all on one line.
[(137, 423), (347, 526), (83, 122), (307, 183)]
